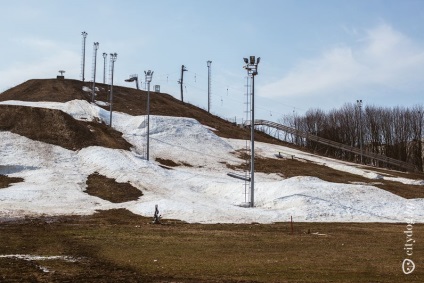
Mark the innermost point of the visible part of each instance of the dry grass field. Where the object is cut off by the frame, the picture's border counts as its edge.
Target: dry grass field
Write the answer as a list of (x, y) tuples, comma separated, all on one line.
[(118, 246)]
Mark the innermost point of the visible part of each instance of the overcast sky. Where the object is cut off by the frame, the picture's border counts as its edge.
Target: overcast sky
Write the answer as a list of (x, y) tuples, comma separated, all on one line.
[(314, 54)]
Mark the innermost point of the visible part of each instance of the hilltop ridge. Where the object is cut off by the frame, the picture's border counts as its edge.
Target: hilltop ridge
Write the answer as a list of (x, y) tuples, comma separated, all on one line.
[(127, 100)]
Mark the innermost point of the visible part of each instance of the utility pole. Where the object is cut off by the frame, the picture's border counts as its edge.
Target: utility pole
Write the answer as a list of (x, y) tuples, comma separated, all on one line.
[(104, 67), (113, 57), (84, 36), (181, 81), (209, 85), (359, 103), (148, 79), (93, 93), (252, 70), (420, 147)]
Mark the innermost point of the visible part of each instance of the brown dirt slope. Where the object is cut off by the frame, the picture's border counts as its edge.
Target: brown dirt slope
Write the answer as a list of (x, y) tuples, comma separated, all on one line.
[(108, 189), (58, 128), (127, 100), (44, 90)]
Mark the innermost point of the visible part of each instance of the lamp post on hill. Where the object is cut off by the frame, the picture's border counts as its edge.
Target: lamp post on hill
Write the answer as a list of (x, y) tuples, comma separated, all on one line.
[(104, 67), (209, 85), (95, 48), (148, 79), (359, 103), (113, 57), (252, 70), (84, 37), (420, 146)]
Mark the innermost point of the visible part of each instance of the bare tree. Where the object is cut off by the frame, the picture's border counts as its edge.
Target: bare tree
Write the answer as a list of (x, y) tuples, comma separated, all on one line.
[(394, 132)]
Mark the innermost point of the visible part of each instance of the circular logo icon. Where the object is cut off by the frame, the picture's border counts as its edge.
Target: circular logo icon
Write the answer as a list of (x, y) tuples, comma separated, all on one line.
[(408, 266)]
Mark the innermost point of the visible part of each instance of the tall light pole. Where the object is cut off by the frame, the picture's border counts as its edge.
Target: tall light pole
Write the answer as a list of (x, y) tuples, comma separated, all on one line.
[(104, 67), (252, 70), (113, 57), (84, 36), (148, 79), (359, 103), (209, 85), (95, 48), (420, 147), (181, 81)]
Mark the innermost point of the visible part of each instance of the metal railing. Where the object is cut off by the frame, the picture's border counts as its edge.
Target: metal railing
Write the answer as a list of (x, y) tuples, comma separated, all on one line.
[(348, 148)]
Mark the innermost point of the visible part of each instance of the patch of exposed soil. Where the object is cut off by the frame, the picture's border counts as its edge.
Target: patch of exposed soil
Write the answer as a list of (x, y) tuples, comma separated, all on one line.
[(58, 128), (167, 162), (108, 189), (171, 163), (45, 90), (6, 181)]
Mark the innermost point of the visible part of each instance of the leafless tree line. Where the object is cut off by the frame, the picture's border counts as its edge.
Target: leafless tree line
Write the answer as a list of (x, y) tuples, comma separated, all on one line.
[(393, 132)]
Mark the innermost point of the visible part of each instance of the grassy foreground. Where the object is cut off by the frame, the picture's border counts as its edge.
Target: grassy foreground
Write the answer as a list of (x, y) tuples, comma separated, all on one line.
[(117, 246)]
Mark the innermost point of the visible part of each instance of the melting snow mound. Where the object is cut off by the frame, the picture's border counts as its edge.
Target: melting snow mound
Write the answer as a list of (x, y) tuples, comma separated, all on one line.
[(198, 190)]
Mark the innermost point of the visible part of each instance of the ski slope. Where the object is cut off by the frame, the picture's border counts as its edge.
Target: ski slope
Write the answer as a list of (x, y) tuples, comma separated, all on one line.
[(55, 178)]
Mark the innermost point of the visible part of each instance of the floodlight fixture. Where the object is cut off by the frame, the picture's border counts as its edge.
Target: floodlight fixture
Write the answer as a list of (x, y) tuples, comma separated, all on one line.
[(252, 60), (246, 60), (149, 75)]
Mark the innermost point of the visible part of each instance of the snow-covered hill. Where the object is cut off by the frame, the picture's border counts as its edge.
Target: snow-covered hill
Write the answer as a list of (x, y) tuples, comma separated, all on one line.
[(55, 178)]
